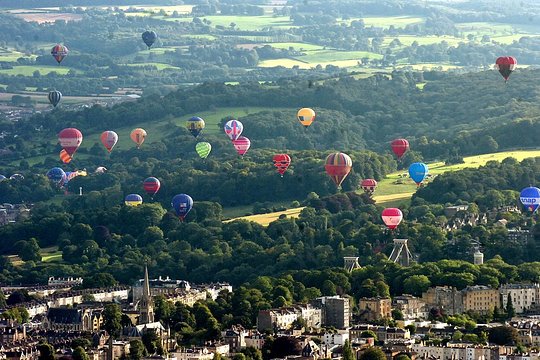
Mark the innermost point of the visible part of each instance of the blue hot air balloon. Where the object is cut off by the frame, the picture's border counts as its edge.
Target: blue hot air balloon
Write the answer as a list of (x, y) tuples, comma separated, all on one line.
[(133, 200), (530, 198), (418, 172), (2, 178), (182, 204), (56, 175)]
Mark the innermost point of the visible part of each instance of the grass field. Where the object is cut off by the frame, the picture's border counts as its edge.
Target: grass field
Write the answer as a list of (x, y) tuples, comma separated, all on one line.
[(50, 254), (9, 55), (385, 22), (28, 70), (245, 22), (389, 193), (323, 58), (159, 66)]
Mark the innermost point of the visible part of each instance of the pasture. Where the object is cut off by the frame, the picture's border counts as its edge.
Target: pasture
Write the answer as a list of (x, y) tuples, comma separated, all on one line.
[(244, 22), (28, 70)]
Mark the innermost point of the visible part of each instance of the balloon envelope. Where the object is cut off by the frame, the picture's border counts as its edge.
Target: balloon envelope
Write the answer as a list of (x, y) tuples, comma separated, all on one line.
[(306, 116), (338, 166), (59, 52), (391, 217), (56, 175), (281, 162), (242, 145), (233, 129), (18, 177), (2, 178), (368, 185), (195, 125), (399, 147), (70, 139), (138, 135), (54, 97), (151, 185), (64, 156), (133, 200), (109, 139), (505, 65), (418, 172), (100, 169), (149, 37), (203, 149), (182, 204), (530, 198)]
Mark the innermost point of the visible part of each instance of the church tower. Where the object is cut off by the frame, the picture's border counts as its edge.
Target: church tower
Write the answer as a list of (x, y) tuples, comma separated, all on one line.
[(146, 306)]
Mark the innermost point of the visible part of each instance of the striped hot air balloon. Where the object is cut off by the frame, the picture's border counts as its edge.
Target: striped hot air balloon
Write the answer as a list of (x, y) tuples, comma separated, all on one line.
[(281, 162), (59, 52), (133, 200), (70, 139), (65, 157), (54, 97), (151, 185), (242, 145), (338, 166), (203, 149)]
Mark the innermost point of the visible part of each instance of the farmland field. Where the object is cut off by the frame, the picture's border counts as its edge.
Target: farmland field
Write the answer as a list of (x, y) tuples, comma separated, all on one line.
[(397, 21), (159, 66), (245, 22), (28, 70)]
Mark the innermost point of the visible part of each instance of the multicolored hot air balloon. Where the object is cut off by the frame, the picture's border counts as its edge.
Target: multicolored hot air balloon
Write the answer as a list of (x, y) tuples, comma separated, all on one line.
[(418, 172), (149, 37), (195, 125), (151, 185), (65, 157), (109, 139), (203, 149), (530, 198), (56, 175), (233, 129), (306, 116), (54, 97), (133, 200), (281, 162), (399, 147), (505, 65), (368, 185), (391, 217), (70, 139), (138, 135), (59, 52), (338, 166), (18, 177), (242, 145), (182, 204), (73, 174)]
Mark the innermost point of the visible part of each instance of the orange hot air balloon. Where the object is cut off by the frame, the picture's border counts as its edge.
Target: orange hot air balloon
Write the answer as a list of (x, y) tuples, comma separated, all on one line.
[(138, 135), (65, 157), (306, 116), (109, 139), (338, 166)]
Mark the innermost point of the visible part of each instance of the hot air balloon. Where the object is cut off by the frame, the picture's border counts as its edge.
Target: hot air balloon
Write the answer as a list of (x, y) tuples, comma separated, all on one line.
[(203, 149), (2, 178), (100, 170), (151, 185), (18, 177), (64, 156), (306, 116), (242, 145), (182, 204), (338, 166), (55, 97), (73, 174), (399, 147), (281, 162), (56, 175), (133, 200), (109, 139), (233, 129), (195, 125), (392, 217), (70, 139), (138, 135), (368, 185), (418, 172), (530, 198), (149, 37), (505, 65), (59, 52)]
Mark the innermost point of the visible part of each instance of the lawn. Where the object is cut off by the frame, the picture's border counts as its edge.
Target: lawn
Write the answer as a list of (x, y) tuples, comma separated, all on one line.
[(28, 70), (8, 55), (266, 219)]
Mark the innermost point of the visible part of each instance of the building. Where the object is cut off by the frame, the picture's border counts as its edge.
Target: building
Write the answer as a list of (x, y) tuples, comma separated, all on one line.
[(478, 257), (458, 351), (372, 309), (411, 307), (451, 211), (146, 304), (524, 296), (275, 319), (335, 310), (73, 319), (520, 236), (235, 337), (480, 299), (448, 299), (69, 281), (384, 333)]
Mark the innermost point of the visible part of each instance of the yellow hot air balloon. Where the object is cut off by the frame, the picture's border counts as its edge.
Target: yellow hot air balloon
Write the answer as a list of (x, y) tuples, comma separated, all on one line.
[(138, 135), (306, 116)]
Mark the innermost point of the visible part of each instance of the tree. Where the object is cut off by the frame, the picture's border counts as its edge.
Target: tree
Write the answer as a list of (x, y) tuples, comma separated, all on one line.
[(503, 335), (347, 351), (397, 314), (136, 350), (368, 334), (286, 345), (80, 354), (416, 284), (402, 357), (372, 353), (46, 352), (510, 311), (113, 316)]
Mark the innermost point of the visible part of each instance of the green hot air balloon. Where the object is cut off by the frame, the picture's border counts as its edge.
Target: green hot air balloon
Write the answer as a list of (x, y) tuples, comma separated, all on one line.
[(203, 149)]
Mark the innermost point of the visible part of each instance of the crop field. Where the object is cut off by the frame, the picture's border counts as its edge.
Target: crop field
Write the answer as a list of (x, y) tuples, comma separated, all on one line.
[(48, 17), (385, 22), (245, 22), (323, 58), (28, 70)]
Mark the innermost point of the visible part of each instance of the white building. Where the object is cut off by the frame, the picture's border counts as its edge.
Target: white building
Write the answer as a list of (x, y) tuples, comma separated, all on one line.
[(524, 296), (338, 338)]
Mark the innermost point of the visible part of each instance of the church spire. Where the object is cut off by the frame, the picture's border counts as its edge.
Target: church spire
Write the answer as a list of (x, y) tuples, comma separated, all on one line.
[(146, 306)]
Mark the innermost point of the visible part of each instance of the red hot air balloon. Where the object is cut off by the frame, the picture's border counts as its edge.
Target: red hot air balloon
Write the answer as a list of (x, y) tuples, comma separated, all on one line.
[(151, 186), (241, 145), (399, 147), (368, 185), (70, 139), (505, 65), (392, 217), (282, 162), (338, 166), (109, 139)]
